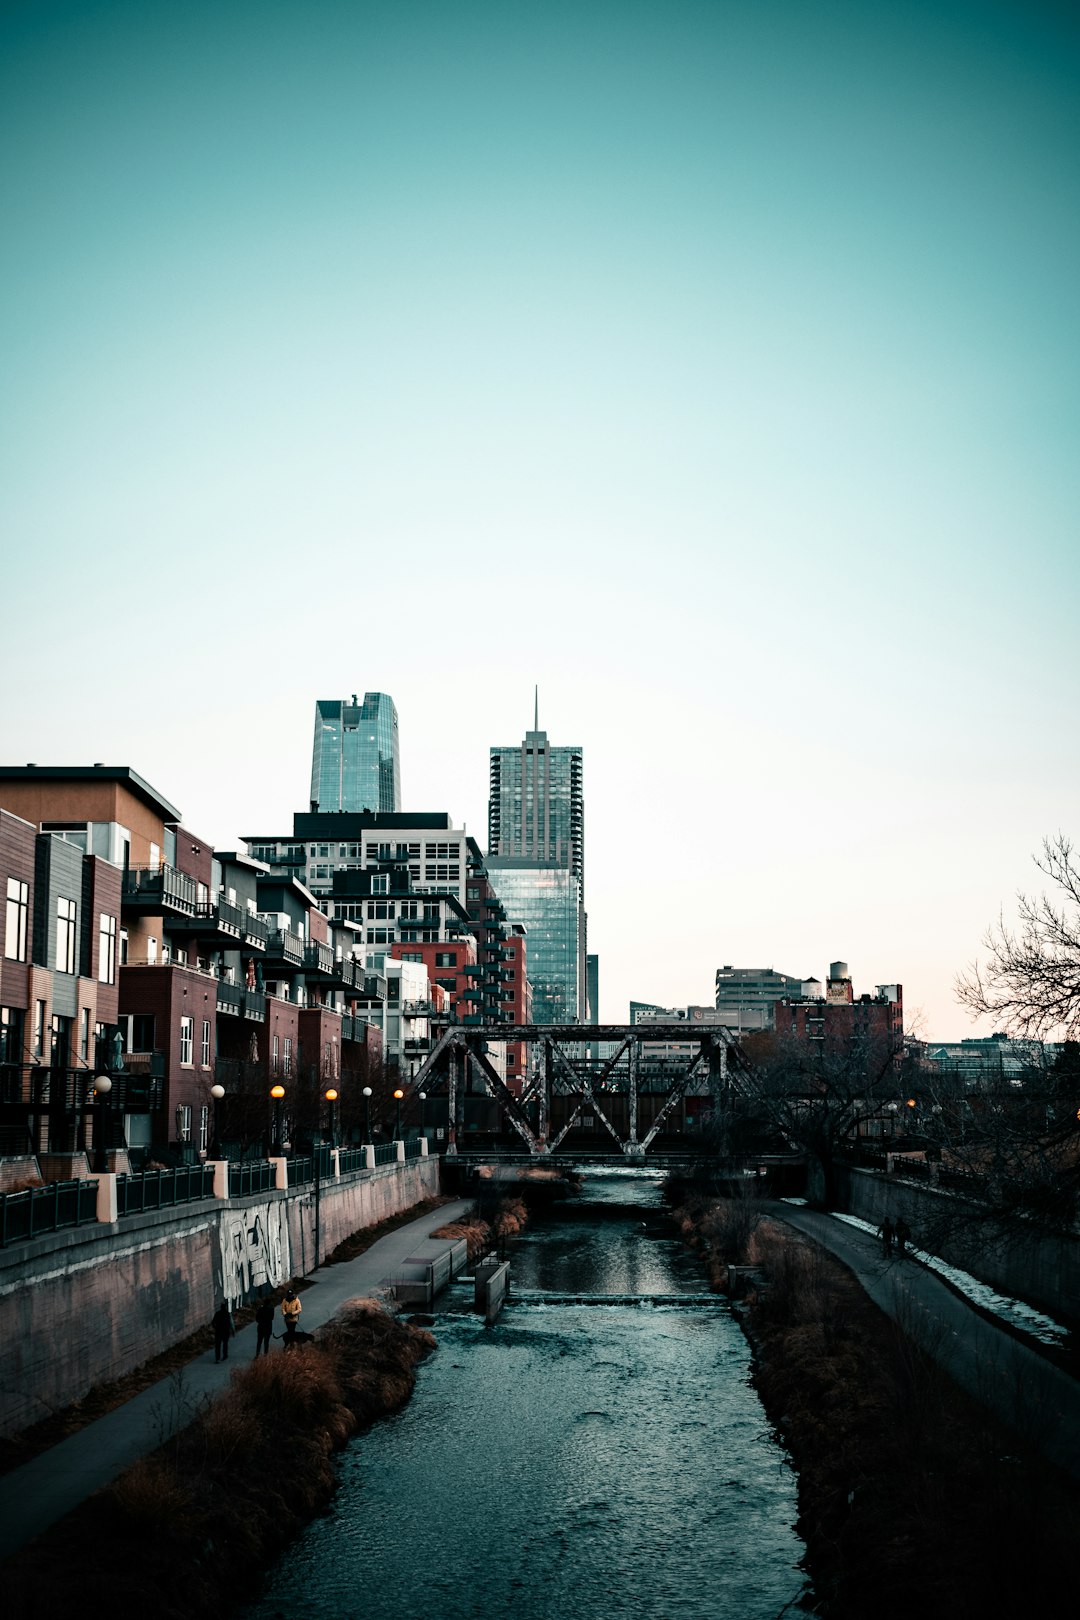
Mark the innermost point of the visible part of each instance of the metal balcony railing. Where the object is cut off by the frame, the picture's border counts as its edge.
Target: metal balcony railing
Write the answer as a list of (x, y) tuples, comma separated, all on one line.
[(160, 885), (284, 946)]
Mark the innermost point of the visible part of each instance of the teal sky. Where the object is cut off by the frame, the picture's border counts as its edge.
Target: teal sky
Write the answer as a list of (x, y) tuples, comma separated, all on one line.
[(713, 365)]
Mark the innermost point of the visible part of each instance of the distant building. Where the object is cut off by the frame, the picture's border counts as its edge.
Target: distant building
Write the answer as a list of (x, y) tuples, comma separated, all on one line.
[(746, 997), (325, 844), (536, 862), (355, 763), (977, 1059), (841, 1024)]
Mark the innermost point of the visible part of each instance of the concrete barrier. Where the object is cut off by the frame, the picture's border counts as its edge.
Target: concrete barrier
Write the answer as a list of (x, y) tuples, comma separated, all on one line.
[(492, 1284)]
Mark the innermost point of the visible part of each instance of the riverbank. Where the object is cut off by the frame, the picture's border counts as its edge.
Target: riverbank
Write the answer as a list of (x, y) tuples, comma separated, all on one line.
[(912, 1498), (215, 1503)]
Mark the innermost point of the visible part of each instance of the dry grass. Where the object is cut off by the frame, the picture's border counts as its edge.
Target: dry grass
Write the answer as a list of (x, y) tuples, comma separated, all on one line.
[(508, 1218), (216, 1502), (912, 1499)]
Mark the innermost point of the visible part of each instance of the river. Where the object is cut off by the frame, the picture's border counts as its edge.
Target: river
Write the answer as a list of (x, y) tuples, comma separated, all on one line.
[(578, 1458)]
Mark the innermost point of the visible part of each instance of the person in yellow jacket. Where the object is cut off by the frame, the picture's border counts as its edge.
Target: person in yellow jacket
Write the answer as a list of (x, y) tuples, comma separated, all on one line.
[(290, 1310)]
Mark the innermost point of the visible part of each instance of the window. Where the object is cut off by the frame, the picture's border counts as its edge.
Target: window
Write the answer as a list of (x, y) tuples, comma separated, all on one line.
[(15, 927), (39, 1029), (84, 1034), (202, 896), (445, 959), (183, 1122), (123, 947), (106, 949), (10, 1036), (187, 1038), (275, 1057), (155, 857), (151, 950), (286, 1067), (204, 1127), (204, 1055), (380, 885), (65, 935)]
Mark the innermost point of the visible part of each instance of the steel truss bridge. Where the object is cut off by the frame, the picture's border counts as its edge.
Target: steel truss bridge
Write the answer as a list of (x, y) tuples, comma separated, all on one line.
[(613, 1088)]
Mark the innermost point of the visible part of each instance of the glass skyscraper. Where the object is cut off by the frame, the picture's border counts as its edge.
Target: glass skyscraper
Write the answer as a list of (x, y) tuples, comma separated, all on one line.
[(536, 863), (355, 763)]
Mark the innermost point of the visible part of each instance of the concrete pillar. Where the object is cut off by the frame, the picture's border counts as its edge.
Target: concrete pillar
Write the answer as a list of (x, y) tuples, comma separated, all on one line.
[(369, 1156), (221, 1177), (281, 1174), (423, 1147), (335, 1154), (399, 1151), (106, 1198)]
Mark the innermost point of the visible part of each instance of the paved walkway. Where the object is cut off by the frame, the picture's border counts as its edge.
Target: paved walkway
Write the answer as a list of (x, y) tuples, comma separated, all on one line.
[(1016, 1382), (40, 1492)]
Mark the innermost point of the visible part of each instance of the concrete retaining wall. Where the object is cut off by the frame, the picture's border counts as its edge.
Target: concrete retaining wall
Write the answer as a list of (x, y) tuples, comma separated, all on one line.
[(1045, 1271), (83, 1307)]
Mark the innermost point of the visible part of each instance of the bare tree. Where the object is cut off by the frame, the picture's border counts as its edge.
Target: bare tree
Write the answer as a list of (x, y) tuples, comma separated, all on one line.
[(1030, 982), (816, 1096)]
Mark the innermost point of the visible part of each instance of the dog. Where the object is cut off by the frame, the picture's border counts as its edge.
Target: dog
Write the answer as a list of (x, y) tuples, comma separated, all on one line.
[(293, 1337)]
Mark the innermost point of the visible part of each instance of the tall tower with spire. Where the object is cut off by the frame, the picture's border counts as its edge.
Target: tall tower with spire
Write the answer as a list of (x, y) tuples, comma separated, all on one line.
[(536, 862)]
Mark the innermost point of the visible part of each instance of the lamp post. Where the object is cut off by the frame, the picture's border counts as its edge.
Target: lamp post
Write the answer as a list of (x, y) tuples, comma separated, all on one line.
[(367, 1113), (331, 1097), (278, 1094), (217, 1092), (398, 1094), (423, 1100), (102, 1087)]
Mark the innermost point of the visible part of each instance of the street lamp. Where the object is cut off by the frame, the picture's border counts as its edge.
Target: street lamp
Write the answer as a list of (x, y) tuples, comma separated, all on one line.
[(367, 1113), (102, 1087), (423, 1100), (276, 1147), (217, 1092), (331, 1096), (398, 1094)]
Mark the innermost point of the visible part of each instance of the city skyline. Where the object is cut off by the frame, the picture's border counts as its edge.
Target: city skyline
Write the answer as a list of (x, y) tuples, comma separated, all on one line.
[(715, 369)]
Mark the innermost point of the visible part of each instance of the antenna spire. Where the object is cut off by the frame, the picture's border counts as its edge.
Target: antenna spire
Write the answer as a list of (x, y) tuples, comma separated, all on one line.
[(536, 707)]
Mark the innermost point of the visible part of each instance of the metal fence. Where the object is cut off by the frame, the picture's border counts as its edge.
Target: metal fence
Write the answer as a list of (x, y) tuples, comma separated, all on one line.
[(352, 1160), (385, 1152), (250, 1176), (46, 1209), (163, 1189), (412, 1148), (302, 1170)]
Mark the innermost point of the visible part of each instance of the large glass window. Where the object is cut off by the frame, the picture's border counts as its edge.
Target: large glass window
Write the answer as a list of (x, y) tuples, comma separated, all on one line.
[(204, 1054), (187, 1039), (66, 911), (107, 949), (15, 922)]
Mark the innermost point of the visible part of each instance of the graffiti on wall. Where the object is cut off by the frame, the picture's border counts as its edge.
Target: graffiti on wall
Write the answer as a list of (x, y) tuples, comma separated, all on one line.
[(254, 1251)]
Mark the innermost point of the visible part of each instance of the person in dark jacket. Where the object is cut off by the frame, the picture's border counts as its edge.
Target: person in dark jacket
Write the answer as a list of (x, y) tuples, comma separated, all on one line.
[(223, 1328), (264, 1326), (902, 1233)]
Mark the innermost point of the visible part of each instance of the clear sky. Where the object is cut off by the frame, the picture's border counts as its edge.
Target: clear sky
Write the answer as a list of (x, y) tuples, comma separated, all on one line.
[(714, 366)]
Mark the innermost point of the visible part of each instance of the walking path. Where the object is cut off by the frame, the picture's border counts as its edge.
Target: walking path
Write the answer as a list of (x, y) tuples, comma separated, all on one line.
[(1017, 1382), (40, 1492)]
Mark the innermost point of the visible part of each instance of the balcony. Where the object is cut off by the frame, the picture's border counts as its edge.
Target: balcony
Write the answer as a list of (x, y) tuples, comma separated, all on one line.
[(284, 950), (253, 931), (471, 994), (159, 891), (473, 1018), (236, 1001), (218, 924), (318, 960)]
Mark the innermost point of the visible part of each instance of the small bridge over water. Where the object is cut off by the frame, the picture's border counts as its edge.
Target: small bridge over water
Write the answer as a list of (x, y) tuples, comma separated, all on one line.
[(631, 1093)]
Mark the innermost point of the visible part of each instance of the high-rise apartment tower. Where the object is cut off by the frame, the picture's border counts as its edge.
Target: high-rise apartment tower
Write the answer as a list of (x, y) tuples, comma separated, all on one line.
[(536, 862), (355, 764)]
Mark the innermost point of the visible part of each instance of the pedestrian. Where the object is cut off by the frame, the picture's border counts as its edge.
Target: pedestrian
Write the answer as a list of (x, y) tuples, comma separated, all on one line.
[(290, 1310), (264, 1327), (902, 1233), (223, 1329), (887, 1234)]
